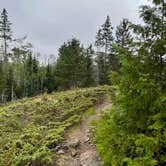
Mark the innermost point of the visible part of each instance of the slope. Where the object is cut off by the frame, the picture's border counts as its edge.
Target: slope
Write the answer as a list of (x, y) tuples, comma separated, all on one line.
[(31, 129)]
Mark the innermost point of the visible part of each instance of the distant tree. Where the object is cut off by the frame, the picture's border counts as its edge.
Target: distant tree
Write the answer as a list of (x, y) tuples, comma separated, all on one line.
[(101, 73), (70, 65), (123, 39), (49, 82), (123, 34), (104, 42), (104, 37), (89, 67), (5, 31), (29, 73), (99, 42), (2, 83), (10, 85), (107, 35)]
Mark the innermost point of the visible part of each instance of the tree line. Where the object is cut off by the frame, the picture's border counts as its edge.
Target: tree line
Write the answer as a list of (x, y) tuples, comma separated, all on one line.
[(23, 75)]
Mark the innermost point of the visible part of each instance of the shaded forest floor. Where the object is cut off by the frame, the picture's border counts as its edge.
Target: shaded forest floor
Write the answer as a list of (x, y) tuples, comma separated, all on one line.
[(78, 149)]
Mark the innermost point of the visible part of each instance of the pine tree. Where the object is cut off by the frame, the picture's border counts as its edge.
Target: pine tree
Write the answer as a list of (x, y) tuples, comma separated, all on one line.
[(2, 83), (49, 82), (70, 65), (10, 85), (101, 73), (104, 37), (5, 31), (154, 36), (89, 67), (104, 40), (29, 73), (107, 36), (123, 40), (99, 42), (123, 34)]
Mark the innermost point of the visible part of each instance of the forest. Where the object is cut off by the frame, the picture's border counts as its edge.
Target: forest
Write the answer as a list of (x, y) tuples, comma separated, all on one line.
[(40, 102)]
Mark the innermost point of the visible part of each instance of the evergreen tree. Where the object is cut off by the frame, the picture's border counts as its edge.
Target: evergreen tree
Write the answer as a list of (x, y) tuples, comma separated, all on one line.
[(155, 32), (2, 83), (29, 73), (104, 40), (49, 83), (123, 40), (35, 76), (98, 42), (101, 79), (70, 65), (107, 36), (123, 34), (135, 126), (5, 31), (10, 85), (89, 67)]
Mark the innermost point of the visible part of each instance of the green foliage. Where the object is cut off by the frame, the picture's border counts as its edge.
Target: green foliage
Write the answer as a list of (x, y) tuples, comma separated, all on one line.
[(31, 129), (74, 66), (133, 132), (104, 42)]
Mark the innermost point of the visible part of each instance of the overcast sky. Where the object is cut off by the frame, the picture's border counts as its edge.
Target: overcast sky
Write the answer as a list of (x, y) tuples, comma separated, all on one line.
[(49, 23)]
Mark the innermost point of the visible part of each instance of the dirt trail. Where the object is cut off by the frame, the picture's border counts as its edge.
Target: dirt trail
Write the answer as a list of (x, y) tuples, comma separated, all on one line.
[(78, 149)]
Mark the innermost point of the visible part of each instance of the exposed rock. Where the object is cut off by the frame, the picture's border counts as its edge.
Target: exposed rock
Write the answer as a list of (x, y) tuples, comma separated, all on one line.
[(73, 152), (73, 143), (60, 152), (89, 158), (78, 147), (57, 148), (87, 140)]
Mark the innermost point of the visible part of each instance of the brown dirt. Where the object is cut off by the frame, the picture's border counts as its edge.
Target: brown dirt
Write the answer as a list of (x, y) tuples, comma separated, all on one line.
[(78, 149)]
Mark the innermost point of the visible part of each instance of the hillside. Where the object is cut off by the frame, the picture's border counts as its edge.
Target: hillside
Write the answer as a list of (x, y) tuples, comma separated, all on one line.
[(32, 128)]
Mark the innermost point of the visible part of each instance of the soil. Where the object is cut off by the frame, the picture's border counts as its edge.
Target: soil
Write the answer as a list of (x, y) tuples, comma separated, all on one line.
[(78, 149)]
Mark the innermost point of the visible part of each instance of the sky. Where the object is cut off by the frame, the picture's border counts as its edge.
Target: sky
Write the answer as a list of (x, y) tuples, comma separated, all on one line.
[(50, 23)]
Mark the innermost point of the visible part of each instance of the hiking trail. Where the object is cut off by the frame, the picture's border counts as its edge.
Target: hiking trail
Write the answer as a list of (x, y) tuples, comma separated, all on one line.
[(77, 148)]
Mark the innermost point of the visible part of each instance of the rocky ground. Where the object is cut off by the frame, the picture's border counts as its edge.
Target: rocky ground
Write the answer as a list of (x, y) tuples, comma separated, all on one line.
[(78, 149)]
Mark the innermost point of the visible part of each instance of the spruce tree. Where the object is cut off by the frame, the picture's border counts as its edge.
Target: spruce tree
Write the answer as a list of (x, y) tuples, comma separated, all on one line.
[(104, 42), (154, 36), (5, 31), (107, 36), (2, 83), (49, 82), (70, 65), (89, 67), (123, 34)]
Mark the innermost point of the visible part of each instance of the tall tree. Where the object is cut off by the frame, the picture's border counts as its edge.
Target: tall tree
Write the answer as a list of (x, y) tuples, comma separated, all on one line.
[(123, 34), (5, 31), (2, 83), (154, 36), (104, 41), (107, 36), (70, 65), (101, 73), (49, 82), (89, 67)]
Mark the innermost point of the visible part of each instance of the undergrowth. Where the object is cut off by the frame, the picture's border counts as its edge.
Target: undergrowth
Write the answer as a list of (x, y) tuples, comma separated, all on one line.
[(30, 129)]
